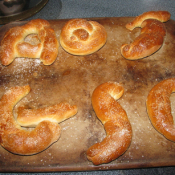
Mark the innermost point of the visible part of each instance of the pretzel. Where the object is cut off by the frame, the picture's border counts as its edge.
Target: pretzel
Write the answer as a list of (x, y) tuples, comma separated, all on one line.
[(151, 37), (82, 37), (14, 45), (115, 121), (159, 108), (17, 140)]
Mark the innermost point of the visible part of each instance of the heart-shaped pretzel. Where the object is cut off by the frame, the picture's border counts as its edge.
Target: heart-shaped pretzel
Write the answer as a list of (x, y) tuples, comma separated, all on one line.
[(13, 44)]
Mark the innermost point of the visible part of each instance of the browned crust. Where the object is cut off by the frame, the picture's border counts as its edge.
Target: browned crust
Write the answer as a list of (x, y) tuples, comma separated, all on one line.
[(159, 108), (151, 37), (82, 37), (148, 42), (115, 121), (13, 44), (13, 137)]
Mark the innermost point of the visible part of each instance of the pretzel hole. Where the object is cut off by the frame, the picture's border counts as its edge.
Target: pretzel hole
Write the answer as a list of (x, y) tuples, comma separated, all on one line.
[(80, 34), (32, 39)]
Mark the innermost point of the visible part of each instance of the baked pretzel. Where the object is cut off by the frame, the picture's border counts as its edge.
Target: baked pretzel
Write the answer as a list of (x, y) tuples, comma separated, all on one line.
[(56, 113), (20, 141), (14, 45), (82, 37), (159, 108), (115, 121), (151, 37)]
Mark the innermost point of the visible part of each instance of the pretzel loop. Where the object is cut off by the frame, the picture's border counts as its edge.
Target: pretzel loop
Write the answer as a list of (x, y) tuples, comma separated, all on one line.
[(82, 37), (159, 108), (14, 45)]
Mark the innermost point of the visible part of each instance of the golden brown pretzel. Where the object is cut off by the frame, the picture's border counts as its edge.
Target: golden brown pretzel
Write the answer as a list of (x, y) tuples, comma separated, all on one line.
[(13, 44), (82, 37), (151, 37), (20, 141), (56, 113), (159, 108), (115, 121)]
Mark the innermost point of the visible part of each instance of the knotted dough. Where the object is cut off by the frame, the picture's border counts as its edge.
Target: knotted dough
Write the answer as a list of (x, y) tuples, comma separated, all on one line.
[(82, 37), (14, 45)]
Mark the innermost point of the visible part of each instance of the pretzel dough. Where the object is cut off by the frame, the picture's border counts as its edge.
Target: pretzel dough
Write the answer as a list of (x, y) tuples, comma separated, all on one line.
[(115, 121), (159, 108), (14, 45), (151, 37), (82, 37)]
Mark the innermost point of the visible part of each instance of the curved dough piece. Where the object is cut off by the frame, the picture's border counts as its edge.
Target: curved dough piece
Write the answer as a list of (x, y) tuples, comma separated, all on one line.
[(161, 16), (159, 108), (151, 37), (13, 137), (115, 121), (56, 113)]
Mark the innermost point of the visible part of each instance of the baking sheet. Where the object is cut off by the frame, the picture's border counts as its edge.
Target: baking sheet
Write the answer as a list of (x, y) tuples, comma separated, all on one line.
[(73, 79)]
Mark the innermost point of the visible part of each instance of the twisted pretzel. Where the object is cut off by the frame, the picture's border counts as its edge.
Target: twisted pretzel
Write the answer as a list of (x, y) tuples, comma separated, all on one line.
[(115, 121), (151, 37), (13, 44), (82, 37), (20, 141), (159, 108)]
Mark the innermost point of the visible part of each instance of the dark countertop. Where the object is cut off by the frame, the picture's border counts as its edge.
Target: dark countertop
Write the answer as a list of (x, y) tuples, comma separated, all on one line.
[(102, 8), (105, 8)]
